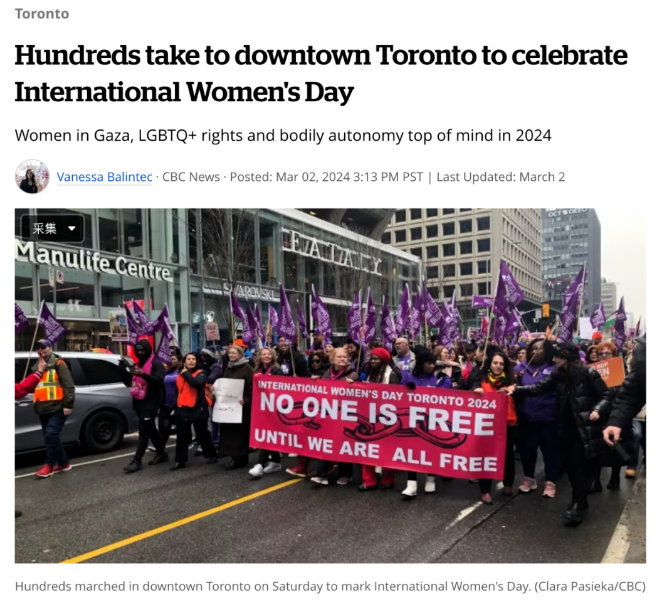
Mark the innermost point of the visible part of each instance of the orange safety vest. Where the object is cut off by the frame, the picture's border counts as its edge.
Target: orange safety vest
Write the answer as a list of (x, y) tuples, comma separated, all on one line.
[(49, 387)]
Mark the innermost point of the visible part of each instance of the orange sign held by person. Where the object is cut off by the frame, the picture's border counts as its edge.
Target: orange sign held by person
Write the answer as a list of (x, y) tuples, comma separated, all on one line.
[(612, 371)]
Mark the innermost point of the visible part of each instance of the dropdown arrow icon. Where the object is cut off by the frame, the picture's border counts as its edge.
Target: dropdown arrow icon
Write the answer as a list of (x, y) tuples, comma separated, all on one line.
[(72, 227)]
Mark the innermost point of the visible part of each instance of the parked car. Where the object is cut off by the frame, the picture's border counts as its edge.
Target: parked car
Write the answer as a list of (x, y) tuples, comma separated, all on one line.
[(103, 412)]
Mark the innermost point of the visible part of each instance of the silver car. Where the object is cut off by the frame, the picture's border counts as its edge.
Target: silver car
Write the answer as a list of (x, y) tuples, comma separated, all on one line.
[(103, 412)]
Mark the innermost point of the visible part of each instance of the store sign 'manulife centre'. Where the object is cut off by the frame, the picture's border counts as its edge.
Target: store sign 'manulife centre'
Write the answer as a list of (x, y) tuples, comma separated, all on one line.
[(86, 260), (328, 252)]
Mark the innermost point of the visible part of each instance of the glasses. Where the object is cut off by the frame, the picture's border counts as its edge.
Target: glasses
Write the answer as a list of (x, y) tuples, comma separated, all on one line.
[(315, 361), (604, 354)]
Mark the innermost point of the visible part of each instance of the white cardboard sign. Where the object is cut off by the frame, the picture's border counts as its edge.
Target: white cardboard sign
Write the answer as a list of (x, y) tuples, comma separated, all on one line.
[(228, 393)]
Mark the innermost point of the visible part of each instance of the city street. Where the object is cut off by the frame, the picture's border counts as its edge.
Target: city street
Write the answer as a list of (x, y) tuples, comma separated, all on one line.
[(96, 513)]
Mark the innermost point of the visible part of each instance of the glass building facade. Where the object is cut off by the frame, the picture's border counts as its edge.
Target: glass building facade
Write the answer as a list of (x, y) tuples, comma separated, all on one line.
[(191, 259)]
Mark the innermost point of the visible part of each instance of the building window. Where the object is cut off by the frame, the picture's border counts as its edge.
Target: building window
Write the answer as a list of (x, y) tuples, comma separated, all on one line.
[(482, 288), (464, 210), (466, 247), (449, 250), (448, 211), (400, 236), (416, 233), (432, 231), (449, 271), (466, 226), (448, 291), (432, 212), (108, 230), (484, 245), (400, 216), (432, 272), (432, 252), (483, 223), (386, 238), (417, 252), (484, 267), (448, 229), (466, 268), (415, 214), (466, 290), (433, 290), (133, 244)]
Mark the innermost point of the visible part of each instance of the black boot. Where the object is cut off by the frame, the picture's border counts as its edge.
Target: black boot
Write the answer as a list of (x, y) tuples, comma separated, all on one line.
[(17, 513), (178, 466), (160, 458), (614, 483), (134, 466), (574, 514), (596, 487)]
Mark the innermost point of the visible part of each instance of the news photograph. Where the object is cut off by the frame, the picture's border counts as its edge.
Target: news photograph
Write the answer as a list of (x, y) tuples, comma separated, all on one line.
[(404, 384)]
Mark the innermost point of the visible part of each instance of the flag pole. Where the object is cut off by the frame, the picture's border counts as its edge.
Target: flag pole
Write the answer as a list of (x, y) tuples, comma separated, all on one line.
[(34, 338), (362, 329), (580, 306)]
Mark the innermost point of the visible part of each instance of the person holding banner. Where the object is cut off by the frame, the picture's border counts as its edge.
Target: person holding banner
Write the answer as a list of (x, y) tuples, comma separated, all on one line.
[(423, 374), (446, 366), (583, 405), (53, 402), (268, 462), (192, 410), (235, 438), (340, 370), (146, 383), (497, 376), (317, 364)]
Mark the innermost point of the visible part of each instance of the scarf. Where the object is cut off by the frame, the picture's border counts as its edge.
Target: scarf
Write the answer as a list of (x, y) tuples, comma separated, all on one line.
[(138, 384), (339, 374), (266, 372), (238, 362), (496, 381)]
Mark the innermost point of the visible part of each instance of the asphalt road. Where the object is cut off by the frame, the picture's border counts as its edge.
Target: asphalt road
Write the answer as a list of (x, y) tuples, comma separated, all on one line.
[(97, 513)]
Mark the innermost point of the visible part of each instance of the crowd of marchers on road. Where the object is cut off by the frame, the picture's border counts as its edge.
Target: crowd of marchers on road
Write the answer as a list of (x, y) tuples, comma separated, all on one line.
[(556, 403)]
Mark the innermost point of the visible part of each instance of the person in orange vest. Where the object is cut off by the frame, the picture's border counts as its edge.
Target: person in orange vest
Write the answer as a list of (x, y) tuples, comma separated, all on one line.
[(53, 399)]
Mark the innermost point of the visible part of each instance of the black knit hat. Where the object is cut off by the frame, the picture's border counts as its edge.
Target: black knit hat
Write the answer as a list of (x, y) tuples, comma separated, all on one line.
[(568, 351)]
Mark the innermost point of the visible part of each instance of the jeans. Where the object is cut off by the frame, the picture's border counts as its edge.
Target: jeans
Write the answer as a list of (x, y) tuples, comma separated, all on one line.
[(184, 438), (582, 471), (52, 424), (147, 431), (165, 425), (544, 436)]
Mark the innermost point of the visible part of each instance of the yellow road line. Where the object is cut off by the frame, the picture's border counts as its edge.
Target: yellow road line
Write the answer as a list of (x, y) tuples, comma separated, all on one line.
[(177, 524)]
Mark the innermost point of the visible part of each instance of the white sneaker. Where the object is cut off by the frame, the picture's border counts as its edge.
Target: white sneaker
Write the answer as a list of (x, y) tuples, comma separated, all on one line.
[(430, 484), (379, 470), (321, 481), (272, 467), (411, 490), (151, 448), (343, 481), (292, 455), (257, 471)]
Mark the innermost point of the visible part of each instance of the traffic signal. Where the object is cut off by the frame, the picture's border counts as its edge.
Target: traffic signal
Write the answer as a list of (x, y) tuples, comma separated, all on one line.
[(546, 308)]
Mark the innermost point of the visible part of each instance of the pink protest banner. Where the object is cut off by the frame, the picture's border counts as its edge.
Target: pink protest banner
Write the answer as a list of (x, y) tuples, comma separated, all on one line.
[(437, 431)]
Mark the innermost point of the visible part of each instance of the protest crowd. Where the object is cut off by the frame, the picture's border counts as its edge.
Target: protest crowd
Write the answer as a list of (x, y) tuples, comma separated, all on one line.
[(556, 402)]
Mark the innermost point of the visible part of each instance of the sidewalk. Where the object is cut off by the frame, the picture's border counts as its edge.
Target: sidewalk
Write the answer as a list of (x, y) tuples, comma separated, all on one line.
[(635, 516)]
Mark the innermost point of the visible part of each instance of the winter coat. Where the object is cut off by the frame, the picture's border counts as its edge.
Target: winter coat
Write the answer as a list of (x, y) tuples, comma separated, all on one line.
[(235, 438), (275, 371), (200, 412), (389, 376), (455, 373), (300, 364), (511, 406), (154, 380), (579, 394), (27, 386), (413, 380), (632, 396), (66, 381), (170, 388), (214, 372), (349, 373), (536, 408)]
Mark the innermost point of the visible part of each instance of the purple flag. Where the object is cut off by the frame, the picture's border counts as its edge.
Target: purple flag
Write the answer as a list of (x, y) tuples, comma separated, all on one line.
[(432, 312), (20, 321), (163, 352), (578, 282), (482, 301), (569, 318), (53, 329), (146, 327), (513, 292), (403, 312), (388, 332), (302, 322), (258, 319), (321, 315), (456, 318), (446, 333), (619, 329), (249, 325), (598, 318), (514, 323), (500, 303), (370, 319), (416, 315), (499, 327), (132, 327), (286, 327), (356, 318), (273, 317), (236, 308)]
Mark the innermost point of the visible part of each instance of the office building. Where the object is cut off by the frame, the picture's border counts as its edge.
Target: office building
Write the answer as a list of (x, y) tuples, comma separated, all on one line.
[(609, 296)]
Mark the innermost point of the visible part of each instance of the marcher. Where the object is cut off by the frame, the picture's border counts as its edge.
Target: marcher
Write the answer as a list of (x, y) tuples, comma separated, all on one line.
[(591, 355), (448, 367), (382, 371), (192, 409), (340, 370), (522, 356), (146, 383), (53, 402), (328, 351), (169, 398), (290, 360), (497, 375), (537, 415), (583, 405), (235, 438), (268, 462), (405, 359), (214, 371), (423, 374), (317, 364)]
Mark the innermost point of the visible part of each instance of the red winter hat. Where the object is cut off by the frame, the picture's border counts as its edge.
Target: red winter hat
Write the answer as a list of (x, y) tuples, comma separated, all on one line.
[(596, 336), (382, 354)]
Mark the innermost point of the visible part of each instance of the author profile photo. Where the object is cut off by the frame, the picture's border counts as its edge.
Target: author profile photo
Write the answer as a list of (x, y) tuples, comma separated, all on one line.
[(32, 177)]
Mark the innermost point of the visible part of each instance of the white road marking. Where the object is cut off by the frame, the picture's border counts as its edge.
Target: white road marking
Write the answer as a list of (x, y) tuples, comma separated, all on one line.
[(619, 545), (73, 465), (464, 513)]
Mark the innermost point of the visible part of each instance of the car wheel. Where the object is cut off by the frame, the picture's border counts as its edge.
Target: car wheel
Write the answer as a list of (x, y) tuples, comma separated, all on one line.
[(103, 432)]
